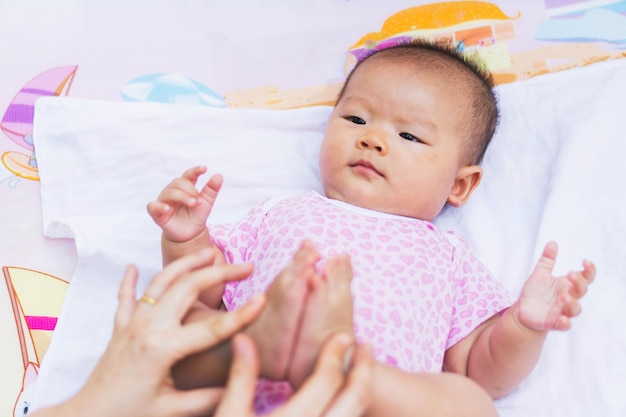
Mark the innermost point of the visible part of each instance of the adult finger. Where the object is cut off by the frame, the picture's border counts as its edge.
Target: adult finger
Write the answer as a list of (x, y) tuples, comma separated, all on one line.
[(239, 396), (354, 397), (182, 294), (162, 281), (196, 402), (204, 334), (318, 391), (126, 298)]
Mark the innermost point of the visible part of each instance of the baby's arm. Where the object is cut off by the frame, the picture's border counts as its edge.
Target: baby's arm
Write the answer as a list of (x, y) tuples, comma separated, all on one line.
[(182, 211), (402, 394), (502, 352)]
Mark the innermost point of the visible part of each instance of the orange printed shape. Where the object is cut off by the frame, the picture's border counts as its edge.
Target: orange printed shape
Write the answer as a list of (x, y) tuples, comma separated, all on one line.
[(434, 16)]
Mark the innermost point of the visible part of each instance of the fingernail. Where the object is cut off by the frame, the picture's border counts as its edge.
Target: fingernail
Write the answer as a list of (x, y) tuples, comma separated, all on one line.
[(344, 339)]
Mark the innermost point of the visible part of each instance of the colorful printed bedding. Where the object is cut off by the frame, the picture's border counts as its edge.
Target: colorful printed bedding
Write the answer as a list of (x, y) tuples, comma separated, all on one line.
[(196, 57)]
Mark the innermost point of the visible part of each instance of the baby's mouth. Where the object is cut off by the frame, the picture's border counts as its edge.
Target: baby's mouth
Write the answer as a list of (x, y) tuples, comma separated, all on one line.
[(366, 167)]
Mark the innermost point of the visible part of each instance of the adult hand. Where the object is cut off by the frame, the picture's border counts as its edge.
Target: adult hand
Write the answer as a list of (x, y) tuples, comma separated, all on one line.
[(329, 392), (133, 376)]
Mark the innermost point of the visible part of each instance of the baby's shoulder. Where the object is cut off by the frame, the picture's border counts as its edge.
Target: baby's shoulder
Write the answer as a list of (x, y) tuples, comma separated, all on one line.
[(454, 238), (460, 247), (286, 200)]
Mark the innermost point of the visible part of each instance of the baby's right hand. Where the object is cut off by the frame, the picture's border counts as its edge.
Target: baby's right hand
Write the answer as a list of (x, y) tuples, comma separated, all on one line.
[(181, 210)]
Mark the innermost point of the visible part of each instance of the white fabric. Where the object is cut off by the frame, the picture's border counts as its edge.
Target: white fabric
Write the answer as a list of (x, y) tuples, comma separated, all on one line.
[(103, 162), (553, 171)]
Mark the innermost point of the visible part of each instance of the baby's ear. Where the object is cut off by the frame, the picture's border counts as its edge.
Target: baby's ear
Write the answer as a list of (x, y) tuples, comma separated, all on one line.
[(466, 181)]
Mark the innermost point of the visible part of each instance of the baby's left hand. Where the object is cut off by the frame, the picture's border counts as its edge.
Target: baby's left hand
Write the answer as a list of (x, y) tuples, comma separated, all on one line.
[(548, 302)]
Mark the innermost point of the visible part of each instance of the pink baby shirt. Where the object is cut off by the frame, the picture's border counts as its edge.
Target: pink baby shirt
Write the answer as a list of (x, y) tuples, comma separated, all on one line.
[(416, 290)]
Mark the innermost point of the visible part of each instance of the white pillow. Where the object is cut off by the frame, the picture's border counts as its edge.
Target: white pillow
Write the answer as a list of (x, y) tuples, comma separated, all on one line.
[(554, 171)]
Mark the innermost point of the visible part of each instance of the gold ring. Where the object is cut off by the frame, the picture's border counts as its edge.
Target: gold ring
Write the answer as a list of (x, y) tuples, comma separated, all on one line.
[(147, 300)]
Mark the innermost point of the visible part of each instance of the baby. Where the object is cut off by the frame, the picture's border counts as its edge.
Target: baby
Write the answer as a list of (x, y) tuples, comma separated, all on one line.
[(405, 139)]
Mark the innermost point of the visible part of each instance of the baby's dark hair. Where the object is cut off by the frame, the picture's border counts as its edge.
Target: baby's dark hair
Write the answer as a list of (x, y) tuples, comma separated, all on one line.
[(484, 113)]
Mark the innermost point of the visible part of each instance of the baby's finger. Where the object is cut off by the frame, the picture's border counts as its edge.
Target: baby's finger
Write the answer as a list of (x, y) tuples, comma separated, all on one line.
[(209, 192), (239, 395), (572, 308), (548, 257), (192, 174), (204, 334), (156, 209), (213, 186), (579, 284), (181, 193), (589, 271), (563, 323)]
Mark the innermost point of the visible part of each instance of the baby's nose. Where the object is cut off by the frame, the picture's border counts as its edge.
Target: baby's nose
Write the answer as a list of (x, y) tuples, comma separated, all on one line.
[(373, 141)]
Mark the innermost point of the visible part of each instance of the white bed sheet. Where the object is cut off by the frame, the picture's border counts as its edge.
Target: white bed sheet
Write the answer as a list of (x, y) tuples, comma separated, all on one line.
[(554, 171)]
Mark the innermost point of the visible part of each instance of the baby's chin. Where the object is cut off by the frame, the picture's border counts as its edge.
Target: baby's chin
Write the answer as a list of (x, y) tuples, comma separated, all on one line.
[(357, 199), (351, 197), (372, 203)]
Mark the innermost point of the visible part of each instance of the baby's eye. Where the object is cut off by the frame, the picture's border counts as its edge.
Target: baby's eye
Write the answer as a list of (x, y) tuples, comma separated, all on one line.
[(356, 120), (410, 137)]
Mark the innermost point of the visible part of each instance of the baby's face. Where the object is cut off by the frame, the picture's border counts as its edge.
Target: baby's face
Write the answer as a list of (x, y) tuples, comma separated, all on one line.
[(393, 141)]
